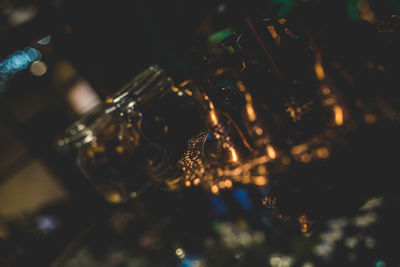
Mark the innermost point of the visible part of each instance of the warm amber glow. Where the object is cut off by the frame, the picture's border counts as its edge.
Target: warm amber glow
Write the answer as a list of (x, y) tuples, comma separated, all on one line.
[(114, 197), (304, 228), (219, 71), (241, 86), (234, 156), (187, 183), (251, 114), (245, 180), (325, 90), (370, 118), (174, 89), (319, 71), (306, 158), (248, 97), (365, 11), (228, 183), (259, 131), (214, 189), (282, 21), (262, 170), (196, 181), (211, 105), (184, 83), (273, 33), (338, 115), (119, 150), (260, 180), (213, 117), (297, 150), (221, 184), (305, 223), (271, 152), (322, 152), (188, 92), (329, 101)]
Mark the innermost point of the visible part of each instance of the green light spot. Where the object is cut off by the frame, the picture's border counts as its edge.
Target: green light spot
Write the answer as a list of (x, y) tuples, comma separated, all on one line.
[(380, 263), (217, 37), (217, 225), (352, 9), (287, 7)]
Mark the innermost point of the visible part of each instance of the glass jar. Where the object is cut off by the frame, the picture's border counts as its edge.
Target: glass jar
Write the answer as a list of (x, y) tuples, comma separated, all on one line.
[(112, 149)]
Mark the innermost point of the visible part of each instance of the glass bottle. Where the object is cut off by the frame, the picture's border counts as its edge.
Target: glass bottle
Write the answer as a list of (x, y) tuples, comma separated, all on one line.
[(114, 145)]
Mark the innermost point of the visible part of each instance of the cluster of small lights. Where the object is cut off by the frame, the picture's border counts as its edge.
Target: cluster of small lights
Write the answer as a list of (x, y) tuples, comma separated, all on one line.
[(239, 235), (305, 224), (297, 111), (198, 170), (336, 231), (187, 260), (313, 149), (280, 260), (269, 201)]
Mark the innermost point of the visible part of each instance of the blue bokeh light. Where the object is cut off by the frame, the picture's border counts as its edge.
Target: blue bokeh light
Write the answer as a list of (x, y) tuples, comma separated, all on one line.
[(189, 262), (16, 62), (242, 196), (218, 205)]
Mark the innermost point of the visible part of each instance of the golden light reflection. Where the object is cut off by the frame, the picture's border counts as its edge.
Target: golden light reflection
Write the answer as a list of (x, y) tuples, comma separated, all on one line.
[(188, 92), (305, 224), (271, 152), (234, 156), (196, 181), (248, 97), (329, 101), (241, 86), (214, 179), (114, 197), (365, 11), (174, 89), (213, 117), (214, 189), (184, 83), (251, 114), (245, 180), (338, 115), (228, 183), (274, 34), (297, 150), (319, 71), (262, 169), (119, 150), (187, 183), (322, 152), (260, 180), (259, 131), (306, 158), (325, 90)]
